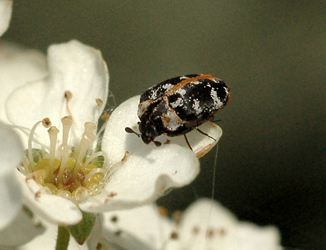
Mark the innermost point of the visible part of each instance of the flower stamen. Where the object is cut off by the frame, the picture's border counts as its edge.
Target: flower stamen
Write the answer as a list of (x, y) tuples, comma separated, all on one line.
[(46, 123), (86, 141), (71, 172), (53, 133), (66, 125)]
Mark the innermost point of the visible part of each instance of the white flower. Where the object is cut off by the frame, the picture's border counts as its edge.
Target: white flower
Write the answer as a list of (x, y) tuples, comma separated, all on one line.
[(11, 153), (5, 15), (47, 241), (131, 173), (16, 226), (205, 225), (18, 66), (21, 230)]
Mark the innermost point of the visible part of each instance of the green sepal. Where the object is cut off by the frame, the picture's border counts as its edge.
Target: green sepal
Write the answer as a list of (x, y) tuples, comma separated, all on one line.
[(83, 229)]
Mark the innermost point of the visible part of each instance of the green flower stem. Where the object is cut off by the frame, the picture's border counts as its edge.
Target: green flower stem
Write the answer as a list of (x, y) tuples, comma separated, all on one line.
[(63, 239)]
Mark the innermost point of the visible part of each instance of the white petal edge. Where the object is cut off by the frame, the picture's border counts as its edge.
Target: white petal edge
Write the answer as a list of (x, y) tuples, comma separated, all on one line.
[(11, 153), (248, 236), (95, 236), (142, 227), (204, 214), (145, 176), (52, 208), (73, 67), (47, 241), (18, 66), (20, 231), (227, 231), (116, 141), (5, 15)]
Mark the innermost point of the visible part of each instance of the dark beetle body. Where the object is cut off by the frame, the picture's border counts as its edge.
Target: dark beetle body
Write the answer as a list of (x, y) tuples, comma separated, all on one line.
[(179, 105)]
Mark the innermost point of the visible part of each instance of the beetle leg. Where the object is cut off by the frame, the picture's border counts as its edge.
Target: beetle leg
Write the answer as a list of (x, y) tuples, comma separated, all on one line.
[(204, 133), (187, 142)]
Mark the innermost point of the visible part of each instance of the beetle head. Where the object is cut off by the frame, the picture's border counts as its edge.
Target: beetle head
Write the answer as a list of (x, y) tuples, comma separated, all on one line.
[(148, 132)]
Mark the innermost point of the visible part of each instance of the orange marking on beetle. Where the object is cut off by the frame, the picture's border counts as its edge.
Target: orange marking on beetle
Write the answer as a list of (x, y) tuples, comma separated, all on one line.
[(188, 80)]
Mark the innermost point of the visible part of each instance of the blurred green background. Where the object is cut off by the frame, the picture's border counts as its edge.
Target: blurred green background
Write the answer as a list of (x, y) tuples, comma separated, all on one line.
[(272, 54)]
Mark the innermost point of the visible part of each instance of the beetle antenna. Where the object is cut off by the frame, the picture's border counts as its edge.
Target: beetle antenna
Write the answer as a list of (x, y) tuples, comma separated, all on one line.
[(131, 131)]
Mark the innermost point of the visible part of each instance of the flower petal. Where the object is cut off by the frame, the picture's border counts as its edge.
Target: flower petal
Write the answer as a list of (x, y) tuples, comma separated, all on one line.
[(208, 225), (201, 217), (11, 153), (17, 67), (142, 227), (47, 241), (5, 15), (116, 141), (52, 208), (78, 76), (248, 236), (22, 230), (144, 176)]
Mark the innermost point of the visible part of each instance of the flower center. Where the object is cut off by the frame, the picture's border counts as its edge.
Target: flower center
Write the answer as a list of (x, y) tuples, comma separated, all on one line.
[(71, 172)]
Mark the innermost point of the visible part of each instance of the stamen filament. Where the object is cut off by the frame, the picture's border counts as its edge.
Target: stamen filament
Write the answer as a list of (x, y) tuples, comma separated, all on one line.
[(93, 156), (65, 151), (46, 122), (89, 127), (83, 147), (63, 173), (53, 132), (30, 152), (66, 125)]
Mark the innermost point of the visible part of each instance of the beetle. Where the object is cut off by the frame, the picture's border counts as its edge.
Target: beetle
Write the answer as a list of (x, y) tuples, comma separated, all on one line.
[(178, 105)]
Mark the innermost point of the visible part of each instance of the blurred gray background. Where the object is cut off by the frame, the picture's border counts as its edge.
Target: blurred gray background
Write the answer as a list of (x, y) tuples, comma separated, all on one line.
[(271, 159)]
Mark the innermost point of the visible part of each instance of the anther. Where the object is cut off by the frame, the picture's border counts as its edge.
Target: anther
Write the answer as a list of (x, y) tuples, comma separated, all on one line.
[(174, 236), (99, 102), (114, 219), (68, 95), (46, 122), (196, 230), (162, 211)]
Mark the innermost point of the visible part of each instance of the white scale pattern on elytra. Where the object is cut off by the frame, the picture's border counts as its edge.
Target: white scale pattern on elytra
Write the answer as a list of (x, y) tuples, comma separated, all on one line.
[(154, 92), (167, 86), (177, 103), (171, 121), (196, 106), (182, 92), (142, 107), (216, 99)]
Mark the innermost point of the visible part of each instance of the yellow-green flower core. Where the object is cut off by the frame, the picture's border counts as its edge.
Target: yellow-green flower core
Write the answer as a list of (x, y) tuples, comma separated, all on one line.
[(73, 173)]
